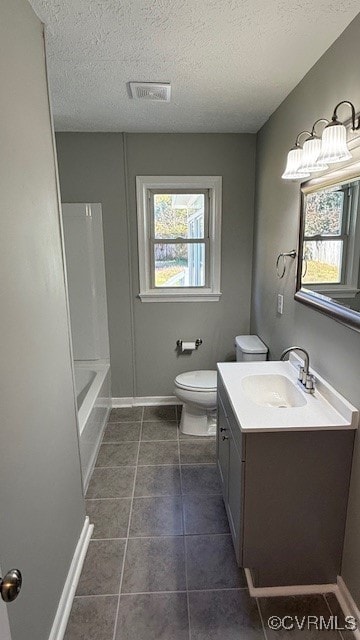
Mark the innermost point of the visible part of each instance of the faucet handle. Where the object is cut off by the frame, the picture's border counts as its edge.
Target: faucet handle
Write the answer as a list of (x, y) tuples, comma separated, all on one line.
[(310, 383)]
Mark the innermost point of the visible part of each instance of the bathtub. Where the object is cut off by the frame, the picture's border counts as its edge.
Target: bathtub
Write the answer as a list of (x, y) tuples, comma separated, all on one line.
[(92, 382)]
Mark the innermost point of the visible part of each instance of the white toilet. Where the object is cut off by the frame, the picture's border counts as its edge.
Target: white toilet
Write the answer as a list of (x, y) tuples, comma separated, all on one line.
[(197, 389), (197, 392)]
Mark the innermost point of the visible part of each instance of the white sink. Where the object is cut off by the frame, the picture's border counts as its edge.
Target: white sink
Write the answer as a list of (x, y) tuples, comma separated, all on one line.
[(272, 390), (266, 396)]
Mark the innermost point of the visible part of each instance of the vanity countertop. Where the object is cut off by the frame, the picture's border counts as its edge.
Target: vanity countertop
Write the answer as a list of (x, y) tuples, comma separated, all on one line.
[(326, 409)]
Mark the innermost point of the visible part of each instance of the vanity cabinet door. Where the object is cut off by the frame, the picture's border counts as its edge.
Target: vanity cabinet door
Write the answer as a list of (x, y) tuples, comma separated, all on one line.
[(231, 470), (222, 445), (235, 497)]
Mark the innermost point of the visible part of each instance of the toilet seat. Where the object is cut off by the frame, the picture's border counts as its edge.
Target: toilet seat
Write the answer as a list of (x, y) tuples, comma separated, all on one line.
[(200, 381)]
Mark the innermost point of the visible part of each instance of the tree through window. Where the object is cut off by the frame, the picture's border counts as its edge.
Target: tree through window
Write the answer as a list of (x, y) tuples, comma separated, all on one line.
[(180, 238), (325, 236)]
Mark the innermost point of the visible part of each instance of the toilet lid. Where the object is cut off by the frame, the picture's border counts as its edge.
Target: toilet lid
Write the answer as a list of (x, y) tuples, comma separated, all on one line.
[(197, 380)]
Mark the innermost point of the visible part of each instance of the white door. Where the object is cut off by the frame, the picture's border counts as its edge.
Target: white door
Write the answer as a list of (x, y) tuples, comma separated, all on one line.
[(41, 501)]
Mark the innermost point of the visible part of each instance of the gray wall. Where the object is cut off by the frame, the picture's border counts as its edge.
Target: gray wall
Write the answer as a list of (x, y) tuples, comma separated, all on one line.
[(41, 502), (334, 349), (102, 168)]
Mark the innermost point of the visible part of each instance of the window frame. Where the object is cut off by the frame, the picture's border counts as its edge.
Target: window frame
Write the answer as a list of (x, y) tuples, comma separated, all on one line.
[(204, 240), (145, 185)]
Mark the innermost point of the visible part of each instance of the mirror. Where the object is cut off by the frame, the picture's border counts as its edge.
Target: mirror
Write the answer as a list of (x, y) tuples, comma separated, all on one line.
[(328, 274)]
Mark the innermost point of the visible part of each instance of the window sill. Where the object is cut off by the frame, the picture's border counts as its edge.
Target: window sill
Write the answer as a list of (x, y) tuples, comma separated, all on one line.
[(181, 296)]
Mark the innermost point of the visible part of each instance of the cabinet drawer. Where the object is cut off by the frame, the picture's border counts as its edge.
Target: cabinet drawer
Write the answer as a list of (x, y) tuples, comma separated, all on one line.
[(224, 397), (238, 437)]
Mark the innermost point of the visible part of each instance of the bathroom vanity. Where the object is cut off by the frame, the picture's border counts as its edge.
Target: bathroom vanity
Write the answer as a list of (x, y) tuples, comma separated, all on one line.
[(284, 458)]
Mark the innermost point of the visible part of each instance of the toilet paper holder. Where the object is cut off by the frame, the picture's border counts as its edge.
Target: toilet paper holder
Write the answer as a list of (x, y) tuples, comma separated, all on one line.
[(198, 342)]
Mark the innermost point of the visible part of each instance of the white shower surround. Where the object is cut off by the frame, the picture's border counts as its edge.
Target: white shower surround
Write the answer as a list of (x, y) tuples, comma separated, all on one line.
[(92, 381)]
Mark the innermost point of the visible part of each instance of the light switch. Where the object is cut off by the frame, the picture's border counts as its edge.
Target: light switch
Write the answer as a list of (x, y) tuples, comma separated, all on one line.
[(280, 303)]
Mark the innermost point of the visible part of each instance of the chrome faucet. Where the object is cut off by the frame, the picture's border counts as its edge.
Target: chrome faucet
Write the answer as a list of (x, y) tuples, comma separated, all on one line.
[(306, 379)]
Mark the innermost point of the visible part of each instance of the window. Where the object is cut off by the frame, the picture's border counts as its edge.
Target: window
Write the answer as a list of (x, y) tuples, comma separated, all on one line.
[(328, 252), (179, 238)]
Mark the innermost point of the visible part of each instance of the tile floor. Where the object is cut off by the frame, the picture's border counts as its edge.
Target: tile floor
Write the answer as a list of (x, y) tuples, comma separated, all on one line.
[(160, 564)]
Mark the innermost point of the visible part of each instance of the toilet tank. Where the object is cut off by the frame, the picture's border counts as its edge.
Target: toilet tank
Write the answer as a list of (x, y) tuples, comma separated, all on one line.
[(250, 349)]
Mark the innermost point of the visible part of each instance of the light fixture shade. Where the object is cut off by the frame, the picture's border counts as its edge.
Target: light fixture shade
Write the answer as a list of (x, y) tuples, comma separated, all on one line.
[(294, 160), (310, 158), (333, 144)]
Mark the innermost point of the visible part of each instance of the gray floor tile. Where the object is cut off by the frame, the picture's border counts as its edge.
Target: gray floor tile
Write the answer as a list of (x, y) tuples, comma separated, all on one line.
[(204, 514), (102, 568), (111, 483), (336, 610), (200, 479), (211, 563), (159, 453), (163, 412), (122, 432), (92, 618), (154, 564), (198, 451), (157, 481), (109, 517), (165, 430), (117, 455), (296, 608), (153, 617), (224, 615), (126, 414), (156, 516)]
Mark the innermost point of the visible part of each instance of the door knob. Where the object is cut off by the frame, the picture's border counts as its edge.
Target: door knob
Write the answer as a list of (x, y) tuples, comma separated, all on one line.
[(223, 429), (225, 437), (10, 585)]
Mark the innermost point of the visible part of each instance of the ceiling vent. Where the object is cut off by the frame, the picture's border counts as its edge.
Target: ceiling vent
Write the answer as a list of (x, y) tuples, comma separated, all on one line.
[(159, 92)]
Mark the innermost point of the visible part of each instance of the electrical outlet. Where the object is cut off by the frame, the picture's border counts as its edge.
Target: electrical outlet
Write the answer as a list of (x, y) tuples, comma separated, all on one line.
[(280, 303)]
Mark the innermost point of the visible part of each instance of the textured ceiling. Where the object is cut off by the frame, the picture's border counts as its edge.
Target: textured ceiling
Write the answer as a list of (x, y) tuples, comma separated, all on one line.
[(230, 62)]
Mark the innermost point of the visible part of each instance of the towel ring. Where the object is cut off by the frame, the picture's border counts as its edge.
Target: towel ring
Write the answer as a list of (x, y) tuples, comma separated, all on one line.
[(282, 256)]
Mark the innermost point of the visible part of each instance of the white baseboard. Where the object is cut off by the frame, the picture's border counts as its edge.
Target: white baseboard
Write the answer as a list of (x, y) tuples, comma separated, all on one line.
[(347, 604), (144, 401), (292, 590), (63, 611), (339, 589)]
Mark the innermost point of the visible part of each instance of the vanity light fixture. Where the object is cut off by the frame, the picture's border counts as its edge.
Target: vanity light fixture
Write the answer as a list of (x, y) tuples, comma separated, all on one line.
[(334, 146), (316, 154), (295, 160), (311, 151)]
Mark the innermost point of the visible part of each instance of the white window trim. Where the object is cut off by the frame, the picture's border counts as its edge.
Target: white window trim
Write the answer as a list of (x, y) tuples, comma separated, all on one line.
[(183, 294)]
